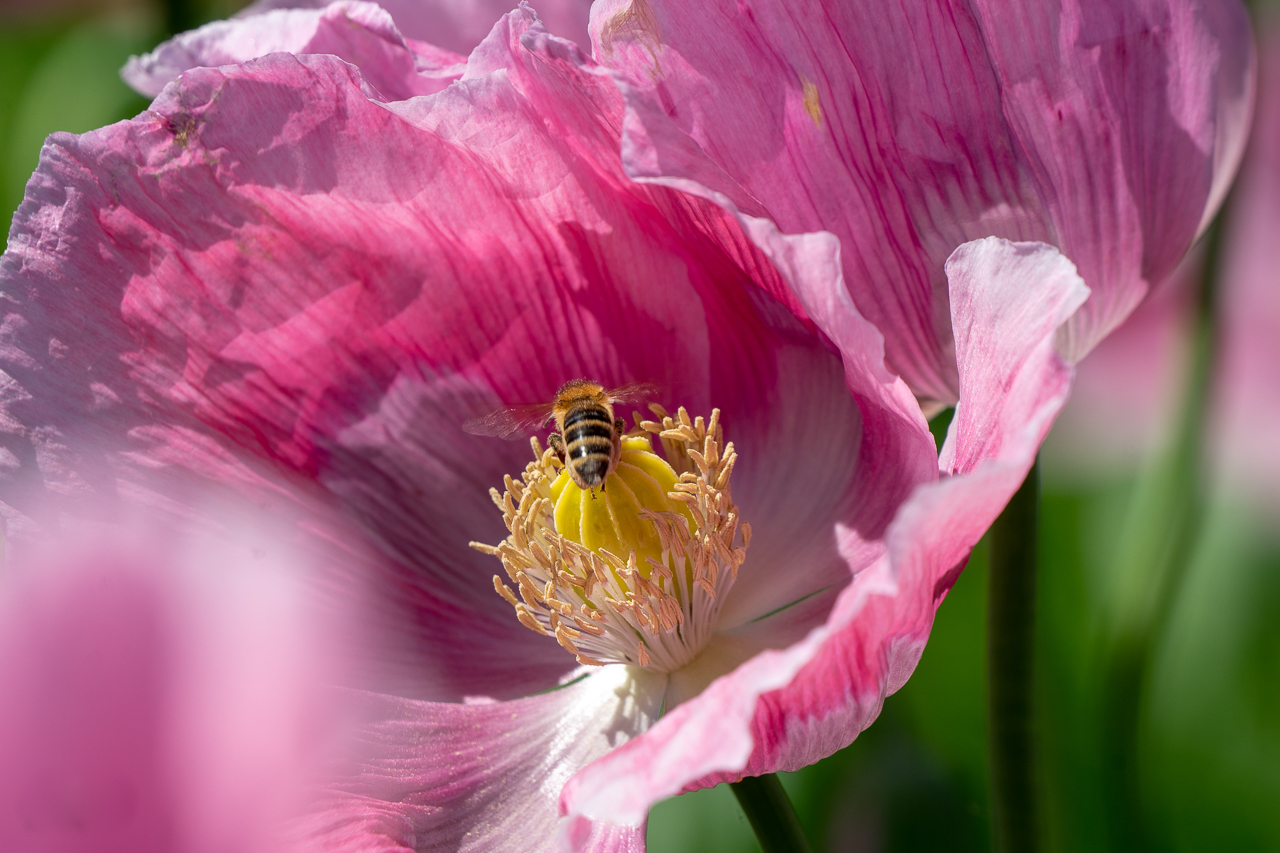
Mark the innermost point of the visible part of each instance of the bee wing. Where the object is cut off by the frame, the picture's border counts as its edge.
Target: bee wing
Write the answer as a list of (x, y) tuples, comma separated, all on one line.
[(510, 422), (636, 392)]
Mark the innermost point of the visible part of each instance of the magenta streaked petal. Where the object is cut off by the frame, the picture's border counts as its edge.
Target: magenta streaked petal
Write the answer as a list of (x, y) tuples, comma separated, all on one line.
[(893, 447), (483, 777), (906, 129), (784, 709), (1127, 391), (1170, 123), (359, 32), (1237, 83)]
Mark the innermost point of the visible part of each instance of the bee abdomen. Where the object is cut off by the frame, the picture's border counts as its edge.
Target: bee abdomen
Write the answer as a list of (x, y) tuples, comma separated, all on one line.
[(588, 443)]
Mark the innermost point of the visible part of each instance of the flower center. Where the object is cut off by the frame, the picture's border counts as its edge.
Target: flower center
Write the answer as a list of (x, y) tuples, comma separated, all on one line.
[(634, 571)]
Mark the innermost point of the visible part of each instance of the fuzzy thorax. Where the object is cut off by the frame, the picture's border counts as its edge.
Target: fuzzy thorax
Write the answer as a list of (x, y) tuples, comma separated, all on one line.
[(633, 572)]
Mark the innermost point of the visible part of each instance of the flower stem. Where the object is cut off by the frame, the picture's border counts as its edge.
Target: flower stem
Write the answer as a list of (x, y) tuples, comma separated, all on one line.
[(771, 815), (1011, 602)]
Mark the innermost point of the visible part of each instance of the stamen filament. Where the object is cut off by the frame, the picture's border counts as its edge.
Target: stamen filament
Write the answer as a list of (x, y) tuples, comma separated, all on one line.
[(676, 522)]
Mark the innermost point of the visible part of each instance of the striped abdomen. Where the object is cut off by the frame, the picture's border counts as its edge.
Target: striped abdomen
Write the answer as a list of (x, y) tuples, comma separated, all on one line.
[(588, 443)]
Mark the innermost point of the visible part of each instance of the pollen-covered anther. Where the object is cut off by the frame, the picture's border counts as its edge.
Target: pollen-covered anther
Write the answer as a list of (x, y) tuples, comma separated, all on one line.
[(635, 571)]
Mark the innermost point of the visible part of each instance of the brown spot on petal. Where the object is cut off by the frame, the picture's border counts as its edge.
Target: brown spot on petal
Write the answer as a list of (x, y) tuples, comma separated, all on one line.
[(811, 103), (182, 126)]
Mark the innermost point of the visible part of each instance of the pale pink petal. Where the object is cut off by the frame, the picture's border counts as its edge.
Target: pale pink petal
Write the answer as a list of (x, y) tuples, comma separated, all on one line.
[(459, 25), (1169, 123), (1126, 394), (359, 32), (906, 129), (784, 709), (482, 777), (1004, 296)]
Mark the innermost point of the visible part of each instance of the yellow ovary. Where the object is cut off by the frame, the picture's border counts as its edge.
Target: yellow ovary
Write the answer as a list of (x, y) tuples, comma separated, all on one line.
[(609, 518)]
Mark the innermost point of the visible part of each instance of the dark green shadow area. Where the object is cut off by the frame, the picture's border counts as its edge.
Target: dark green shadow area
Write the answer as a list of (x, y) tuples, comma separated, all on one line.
[(62, 76), (62, 73), (1210, 743)]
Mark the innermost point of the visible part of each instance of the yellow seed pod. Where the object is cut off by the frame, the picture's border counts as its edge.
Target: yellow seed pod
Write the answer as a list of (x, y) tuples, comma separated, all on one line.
[(608, 517)]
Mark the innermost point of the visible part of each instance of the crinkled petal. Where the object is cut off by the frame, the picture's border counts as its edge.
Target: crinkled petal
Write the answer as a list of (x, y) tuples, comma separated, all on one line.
[(359, 32), (1108, 129), (458, 25), (301, 293), (483, 777), (787, 708)]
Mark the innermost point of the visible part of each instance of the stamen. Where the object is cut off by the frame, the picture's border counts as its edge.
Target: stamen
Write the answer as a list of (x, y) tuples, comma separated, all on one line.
[(633, 572)]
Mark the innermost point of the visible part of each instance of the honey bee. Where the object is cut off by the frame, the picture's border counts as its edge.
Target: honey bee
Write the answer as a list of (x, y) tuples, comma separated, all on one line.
[(588, 438)]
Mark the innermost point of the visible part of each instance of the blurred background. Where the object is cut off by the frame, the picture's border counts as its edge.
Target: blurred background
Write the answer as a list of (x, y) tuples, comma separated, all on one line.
[(1205, 750)]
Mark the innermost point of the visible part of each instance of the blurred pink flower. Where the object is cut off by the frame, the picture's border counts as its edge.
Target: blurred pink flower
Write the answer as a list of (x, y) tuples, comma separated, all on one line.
[(287, 284), (1126, 392), (157, 695), (1248, 378), (1108, 128)]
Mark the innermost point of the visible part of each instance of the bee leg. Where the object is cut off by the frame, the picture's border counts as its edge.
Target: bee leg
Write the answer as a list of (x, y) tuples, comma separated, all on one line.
[(620, 426), (557, 444)]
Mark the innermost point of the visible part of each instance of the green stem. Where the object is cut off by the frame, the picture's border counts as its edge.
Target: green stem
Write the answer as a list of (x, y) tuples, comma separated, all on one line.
[(771, 815), (1152, 559), (1011, 617)]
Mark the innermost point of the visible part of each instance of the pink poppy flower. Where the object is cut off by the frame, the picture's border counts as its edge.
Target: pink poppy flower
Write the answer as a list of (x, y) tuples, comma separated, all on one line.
[(282, 283), (1108, 129), (158, 694)]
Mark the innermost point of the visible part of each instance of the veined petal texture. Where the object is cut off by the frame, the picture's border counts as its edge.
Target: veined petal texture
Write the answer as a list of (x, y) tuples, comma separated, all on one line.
[(1108, 129)]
